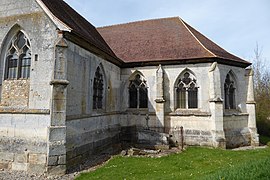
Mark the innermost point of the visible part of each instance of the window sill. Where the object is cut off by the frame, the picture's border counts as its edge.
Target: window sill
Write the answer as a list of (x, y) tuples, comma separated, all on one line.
[(189, 112), (9, 110), (138, 110), (98, 111), (233, 112), (20, 79)]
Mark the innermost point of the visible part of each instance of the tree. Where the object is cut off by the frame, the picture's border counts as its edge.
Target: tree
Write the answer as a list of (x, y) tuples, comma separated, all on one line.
[(262, 91)]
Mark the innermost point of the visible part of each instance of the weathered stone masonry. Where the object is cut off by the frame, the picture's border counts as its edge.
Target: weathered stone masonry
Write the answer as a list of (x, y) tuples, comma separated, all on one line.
[(48, 122)]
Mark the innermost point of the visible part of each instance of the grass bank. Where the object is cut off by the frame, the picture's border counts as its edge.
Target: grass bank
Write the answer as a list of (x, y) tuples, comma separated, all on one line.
[(194, 163)]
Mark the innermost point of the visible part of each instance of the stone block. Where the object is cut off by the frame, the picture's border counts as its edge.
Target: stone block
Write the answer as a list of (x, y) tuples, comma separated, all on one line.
[(74, 161), (6, 156), (206, 133), (37, 158), (192, 132), (62, 160), (36, 168), (59, 92), (58, 119), (14, 96), (57, 133), (4, 165), (19, 166), (59, 105), (55, 150), (57, 170), (53, 160), (21, 158)]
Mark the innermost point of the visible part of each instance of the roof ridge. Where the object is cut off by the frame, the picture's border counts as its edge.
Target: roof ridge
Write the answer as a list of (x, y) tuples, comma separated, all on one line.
[(196, 38), (138, 21)]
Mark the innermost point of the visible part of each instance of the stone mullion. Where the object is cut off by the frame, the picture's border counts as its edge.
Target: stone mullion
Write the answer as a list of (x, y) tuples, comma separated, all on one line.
[(138, 97), (186, 94)]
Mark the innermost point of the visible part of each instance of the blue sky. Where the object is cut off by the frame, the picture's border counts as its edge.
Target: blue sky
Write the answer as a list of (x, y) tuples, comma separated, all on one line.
[(235, 25)]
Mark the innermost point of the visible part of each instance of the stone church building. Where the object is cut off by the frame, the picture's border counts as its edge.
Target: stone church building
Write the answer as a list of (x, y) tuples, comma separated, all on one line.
[(69, 90)]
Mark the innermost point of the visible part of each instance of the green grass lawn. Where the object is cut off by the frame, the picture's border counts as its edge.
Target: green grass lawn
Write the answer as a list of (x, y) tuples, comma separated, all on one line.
[(194, 163)]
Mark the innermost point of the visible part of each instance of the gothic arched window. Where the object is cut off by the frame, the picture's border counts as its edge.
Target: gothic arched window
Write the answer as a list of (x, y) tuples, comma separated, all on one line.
[(98, 89), (138, 94), (18, 58), (187, 92), (229, 90)]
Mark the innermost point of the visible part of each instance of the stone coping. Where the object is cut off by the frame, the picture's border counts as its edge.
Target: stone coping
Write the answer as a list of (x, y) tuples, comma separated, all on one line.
[(85, 116), (187, 112), (8, 110), (102, 113), (234, 113)]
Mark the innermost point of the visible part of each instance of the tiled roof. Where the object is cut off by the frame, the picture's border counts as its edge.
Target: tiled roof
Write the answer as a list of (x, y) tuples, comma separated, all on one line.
[(159, 40), (79, 26), (162, 40)]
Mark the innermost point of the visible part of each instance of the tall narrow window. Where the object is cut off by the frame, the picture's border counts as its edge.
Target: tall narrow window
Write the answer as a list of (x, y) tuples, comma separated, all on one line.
[(138, 93), (98, 90), (229, 90), (18, 58), (187, 92)]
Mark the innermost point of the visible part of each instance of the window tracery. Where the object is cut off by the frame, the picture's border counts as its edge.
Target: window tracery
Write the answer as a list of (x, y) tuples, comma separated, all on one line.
[(18, 58), (98, 89), (229, 90), (187, 92), (138, 93)]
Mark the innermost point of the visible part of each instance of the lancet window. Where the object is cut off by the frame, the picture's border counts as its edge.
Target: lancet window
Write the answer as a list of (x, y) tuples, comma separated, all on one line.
[(138, 94), (18, 58), (229, 90), (98, 89), (187, 92)]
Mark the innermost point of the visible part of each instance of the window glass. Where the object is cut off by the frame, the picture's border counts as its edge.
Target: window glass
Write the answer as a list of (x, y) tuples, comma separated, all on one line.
[(187, 92), (18, 58), (138, 93), (98, 90), (229, 91)]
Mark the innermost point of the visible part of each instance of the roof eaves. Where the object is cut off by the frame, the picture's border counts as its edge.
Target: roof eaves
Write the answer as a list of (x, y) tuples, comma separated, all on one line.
[(84, 43), (197, 38), (60, 24), (185, 61)]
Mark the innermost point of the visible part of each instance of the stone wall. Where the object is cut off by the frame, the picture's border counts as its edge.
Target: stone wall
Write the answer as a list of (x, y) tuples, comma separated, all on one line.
[(23, 141), (90, 131), (15, 93), (240, 83), (92, 135), (196, 123), (29, 17), (197, 129), (171, 74), (17, 7), (81, 70), (236, 130), (25, 104), (48, 121)]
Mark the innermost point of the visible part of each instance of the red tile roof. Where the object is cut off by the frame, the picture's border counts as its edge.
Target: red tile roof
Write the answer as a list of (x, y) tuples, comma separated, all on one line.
[(79, 25), (162, 40), (150, 41)]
